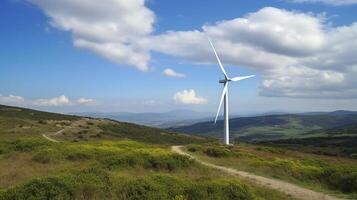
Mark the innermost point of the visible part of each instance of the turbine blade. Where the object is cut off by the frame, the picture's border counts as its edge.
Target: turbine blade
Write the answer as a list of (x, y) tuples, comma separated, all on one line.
[(219, 61), (239, 78), (220, 103)]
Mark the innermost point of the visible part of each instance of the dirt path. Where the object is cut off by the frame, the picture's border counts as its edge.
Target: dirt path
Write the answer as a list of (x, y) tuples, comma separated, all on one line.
[(71, 126), (287, 188), (47, 137)]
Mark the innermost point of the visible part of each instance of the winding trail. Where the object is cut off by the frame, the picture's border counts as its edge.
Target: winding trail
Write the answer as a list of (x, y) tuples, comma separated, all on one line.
[(47, 137), (287, 188)]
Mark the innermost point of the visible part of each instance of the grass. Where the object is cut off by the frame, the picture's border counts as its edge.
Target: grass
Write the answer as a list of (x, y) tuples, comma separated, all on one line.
[(38, 169), (26, 123), (332, 175), (105, 159), (341, 146), (274, 127)]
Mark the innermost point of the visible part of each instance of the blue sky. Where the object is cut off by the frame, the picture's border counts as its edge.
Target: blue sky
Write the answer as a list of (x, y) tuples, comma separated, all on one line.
[(45, 64)]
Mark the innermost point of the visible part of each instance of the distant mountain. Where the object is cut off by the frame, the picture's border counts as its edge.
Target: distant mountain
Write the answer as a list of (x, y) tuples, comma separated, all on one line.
[(273, 127), (161, 120)]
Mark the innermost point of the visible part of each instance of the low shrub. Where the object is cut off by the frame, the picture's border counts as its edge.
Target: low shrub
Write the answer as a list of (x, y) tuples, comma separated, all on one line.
[(74, 154), (46, 156), (169, 162), (140, 159), (194, 148), (43, 122), (46, 188), (331, 176), (142, 188), (27, 145), (88, 184), (91, 183), (124, 160), (217, 152), (271, 150), (343, 179), (168, 187), (219, 189), (5, 148)]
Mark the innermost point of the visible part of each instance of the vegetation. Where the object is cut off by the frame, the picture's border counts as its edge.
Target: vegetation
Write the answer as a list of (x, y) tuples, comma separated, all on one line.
[(152, 135), (111, 170), (344, 146), (276, 127), (332, 174), (105, 159), (20, 122)]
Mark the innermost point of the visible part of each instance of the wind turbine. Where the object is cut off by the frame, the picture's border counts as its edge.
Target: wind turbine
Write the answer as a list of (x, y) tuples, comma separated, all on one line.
[(224, 96)]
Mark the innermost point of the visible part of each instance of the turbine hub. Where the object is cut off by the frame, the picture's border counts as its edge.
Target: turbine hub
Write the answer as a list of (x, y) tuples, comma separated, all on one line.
[(224, 81)]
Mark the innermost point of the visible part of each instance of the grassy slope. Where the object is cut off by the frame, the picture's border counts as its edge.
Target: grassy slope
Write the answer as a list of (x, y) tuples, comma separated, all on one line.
[(20, 122), (333, 146), (334, 175), (338, 141), (272, 127), (39, 169), (86, 165)]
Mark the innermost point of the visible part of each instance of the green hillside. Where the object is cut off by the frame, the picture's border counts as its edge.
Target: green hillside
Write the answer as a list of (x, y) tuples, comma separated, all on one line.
[(330, 174), (20, 122), (338, 141), (274, 127), (52, 156)]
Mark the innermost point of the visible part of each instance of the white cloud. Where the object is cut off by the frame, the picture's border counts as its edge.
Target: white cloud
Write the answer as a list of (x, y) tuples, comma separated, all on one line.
[(56, 101), (171, 73), (11, 99), (296, 54), (188, 97), (110, 29), (84, 101), (332, 2)]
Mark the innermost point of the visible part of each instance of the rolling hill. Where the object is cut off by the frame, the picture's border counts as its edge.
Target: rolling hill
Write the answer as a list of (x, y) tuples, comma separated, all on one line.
[(53, 156), (21, 122), (160, 120), (338, 141), (275, 127)]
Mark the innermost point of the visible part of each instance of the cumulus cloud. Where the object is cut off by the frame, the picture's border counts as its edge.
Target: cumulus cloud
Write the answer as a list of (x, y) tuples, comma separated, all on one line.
[(56, 101), (11, 99), (332, 2), (188, 97), (171, 73), (84, 101), (110, 29), (296, 54)]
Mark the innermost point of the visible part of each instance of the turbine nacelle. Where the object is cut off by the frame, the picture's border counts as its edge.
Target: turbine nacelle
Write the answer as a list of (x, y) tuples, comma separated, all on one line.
[(235, 79), (224, 81)]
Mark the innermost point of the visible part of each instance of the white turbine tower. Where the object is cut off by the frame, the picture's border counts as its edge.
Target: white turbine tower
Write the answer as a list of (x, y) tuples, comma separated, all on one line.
[(224, 96)]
